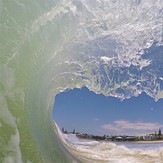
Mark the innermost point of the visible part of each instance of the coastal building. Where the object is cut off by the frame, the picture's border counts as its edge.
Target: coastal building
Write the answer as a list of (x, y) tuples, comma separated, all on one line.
[(159, 132)]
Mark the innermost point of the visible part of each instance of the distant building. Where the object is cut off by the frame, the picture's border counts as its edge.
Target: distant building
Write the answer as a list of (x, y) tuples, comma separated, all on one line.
[(149, 137), (159, 132), (64, 131)]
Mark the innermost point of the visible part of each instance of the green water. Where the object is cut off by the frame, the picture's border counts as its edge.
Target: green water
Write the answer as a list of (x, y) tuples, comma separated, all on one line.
[(26, 132)]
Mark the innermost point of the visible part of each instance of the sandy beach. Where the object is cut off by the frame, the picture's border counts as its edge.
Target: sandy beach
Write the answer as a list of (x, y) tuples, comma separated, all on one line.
[(152, 141)]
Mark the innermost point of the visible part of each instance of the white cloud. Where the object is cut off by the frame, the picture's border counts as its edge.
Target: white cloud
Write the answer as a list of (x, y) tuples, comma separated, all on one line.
[(135, 128)]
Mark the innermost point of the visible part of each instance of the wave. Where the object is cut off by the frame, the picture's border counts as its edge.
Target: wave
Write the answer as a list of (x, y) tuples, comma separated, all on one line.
[(96, 151), (47, 47)]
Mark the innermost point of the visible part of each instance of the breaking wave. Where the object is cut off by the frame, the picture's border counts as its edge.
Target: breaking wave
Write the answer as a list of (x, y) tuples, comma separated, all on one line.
[(107, 152), (49, 46)]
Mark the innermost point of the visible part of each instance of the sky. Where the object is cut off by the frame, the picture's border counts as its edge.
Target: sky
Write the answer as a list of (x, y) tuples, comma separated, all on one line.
[(91, 113)]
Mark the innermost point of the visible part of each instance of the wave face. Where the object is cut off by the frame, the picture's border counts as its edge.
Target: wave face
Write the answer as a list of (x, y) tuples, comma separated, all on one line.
[(49, 46)]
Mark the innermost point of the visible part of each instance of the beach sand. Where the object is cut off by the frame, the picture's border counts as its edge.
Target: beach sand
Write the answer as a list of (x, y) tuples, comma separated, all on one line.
[(150, 141)]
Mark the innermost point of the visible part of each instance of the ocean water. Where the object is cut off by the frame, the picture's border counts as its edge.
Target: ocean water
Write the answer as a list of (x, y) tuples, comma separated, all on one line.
[(142, 145), (106, 152), (50, 46)]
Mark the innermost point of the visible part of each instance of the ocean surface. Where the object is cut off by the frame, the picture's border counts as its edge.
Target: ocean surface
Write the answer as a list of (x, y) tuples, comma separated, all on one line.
[(113, 47), (106, 152)]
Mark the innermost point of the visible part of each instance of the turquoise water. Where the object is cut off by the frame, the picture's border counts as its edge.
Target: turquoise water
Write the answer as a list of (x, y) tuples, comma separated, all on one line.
[(48, 46)]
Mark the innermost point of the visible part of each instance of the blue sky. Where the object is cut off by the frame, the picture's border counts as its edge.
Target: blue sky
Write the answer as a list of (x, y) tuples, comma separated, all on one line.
[(92, 113)]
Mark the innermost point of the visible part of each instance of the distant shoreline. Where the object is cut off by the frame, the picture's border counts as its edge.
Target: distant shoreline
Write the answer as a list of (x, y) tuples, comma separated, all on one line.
[(148, 139), (137, 142), (115, 141)]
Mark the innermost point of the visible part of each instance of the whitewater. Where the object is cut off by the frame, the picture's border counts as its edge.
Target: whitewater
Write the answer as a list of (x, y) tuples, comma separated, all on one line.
[(112, 47), (108, 152)]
